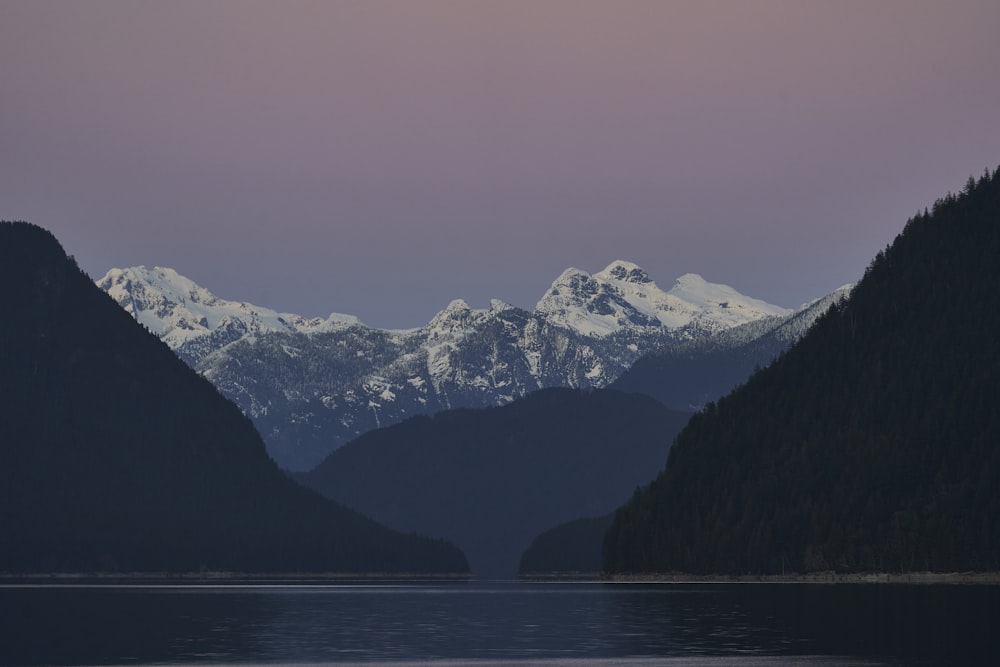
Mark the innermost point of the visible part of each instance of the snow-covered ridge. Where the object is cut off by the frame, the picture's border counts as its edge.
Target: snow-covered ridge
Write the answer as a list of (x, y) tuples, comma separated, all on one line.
[(624, 296), (178, 310), (311, 385), (785, 329)]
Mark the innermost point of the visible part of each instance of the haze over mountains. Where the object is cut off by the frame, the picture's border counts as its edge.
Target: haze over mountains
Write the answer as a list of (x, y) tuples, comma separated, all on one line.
[(490, 479), (311, 385)]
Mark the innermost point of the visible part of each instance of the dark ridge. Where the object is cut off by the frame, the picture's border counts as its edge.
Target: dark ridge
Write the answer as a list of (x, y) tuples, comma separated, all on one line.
[(873, 444), (491, 479), (117, 457)]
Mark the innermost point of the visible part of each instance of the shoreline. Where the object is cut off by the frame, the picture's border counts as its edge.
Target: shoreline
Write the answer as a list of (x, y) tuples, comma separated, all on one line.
[(12, 579), (827, 577), (814, 578)]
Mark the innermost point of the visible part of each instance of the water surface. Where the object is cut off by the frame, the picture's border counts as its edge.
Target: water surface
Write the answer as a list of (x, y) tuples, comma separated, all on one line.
[(488, 623)]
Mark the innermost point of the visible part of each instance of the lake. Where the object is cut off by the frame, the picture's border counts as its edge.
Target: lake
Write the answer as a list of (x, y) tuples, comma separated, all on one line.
[(501, 623)]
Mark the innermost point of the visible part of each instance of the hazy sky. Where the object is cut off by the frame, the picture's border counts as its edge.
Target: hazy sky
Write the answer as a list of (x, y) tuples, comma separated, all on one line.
[(382, 158)]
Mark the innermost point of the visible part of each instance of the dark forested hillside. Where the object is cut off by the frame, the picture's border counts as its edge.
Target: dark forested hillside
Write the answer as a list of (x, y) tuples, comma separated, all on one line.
[(491, 479), (872, 444), (573, 547), (116, 457)]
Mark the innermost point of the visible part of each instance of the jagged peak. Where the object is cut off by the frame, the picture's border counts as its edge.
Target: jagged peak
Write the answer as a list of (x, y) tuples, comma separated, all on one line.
[(457, 305), (624, 271), (569, 275), (455, 311), (496, 306), (163, 279)]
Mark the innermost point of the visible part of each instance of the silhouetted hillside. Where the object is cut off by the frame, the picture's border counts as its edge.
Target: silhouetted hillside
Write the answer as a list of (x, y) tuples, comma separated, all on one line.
[(491, 479), (115, 456), (872, 444), (573, 547)]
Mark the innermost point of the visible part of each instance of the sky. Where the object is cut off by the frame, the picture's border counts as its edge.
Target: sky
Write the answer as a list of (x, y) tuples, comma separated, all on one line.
[(381, 158)]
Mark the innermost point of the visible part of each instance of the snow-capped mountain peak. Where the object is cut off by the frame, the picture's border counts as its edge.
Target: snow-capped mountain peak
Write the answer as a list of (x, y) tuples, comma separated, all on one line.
[(496, 306), (178, 310), (457, 306), (455, 314), (623, 296), (624, 271), (591, 305)]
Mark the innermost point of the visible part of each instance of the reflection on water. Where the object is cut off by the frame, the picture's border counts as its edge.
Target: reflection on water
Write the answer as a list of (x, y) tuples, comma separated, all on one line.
[(493, 623)]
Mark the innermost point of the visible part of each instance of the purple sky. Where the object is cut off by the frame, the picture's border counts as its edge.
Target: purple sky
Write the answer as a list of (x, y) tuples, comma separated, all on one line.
[(382, 158)]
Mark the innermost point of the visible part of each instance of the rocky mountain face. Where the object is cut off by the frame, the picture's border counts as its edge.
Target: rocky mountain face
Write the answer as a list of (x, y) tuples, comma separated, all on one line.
[(311, 385)]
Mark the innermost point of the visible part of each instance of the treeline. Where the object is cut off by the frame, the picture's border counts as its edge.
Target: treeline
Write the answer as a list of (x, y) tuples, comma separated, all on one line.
[(117, 457), (872, 444)]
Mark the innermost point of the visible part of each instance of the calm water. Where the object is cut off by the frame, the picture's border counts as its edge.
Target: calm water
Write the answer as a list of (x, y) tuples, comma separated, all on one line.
[(503, 623)]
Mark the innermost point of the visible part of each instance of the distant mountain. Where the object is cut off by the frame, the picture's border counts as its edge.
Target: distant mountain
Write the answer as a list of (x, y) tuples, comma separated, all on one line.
[(689, 374), (179, 311), (622, 297), (311, 385), (116, 457), (491, 479), (872, 444)]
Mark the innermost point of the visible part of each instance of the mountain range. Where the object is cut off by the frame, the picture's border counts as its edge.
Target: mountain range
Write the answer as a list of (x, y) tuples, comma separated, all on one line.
[(868, 443), (311, 385)]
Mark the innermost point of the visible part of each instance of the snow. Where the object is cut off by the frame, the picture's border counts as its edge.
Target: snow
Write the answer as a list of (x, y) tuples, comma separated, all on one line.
[(624, 296), (438, 360), (456, 317), (178, 310), (497, 306)]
